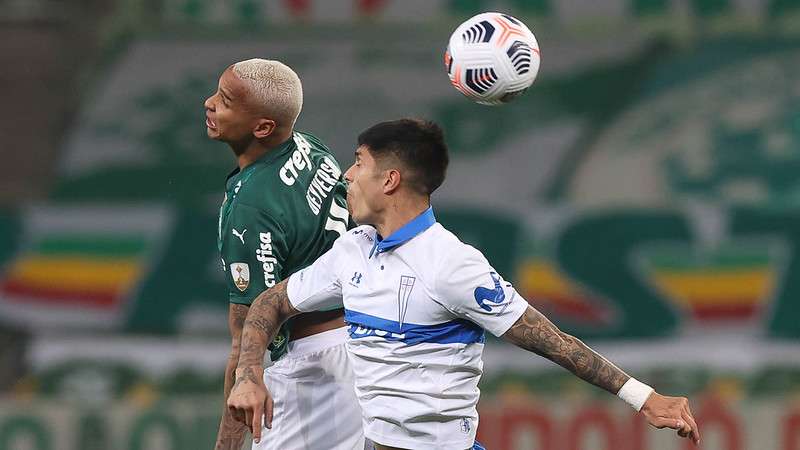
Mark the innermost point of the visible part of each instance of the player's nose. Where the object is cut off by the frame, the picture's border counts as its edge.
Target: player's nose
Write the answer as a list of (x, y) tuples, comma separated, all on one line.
[(209, 104), (348, 175)]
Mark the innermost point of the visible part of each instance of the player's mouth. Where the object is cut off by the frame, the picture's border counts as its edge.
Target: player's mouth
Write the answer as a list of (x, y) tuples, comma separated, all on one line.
[(210, 123)]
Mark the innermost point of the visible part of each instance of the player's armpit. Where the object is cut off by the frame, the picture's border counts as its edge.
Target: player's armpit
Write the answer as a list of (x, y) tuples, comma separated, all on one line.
[(535, 333), (268, 311)]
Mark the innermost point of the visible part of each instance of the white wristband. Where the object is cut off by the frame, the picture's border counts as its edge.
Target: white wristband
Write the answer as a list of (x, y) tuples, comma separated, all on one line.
[(635, 393)]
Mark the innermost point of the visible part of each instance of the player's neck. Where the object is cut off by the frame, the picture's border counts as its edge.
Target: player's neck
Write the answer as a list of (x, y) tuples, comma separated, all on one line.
[(250, 155), (400, 213), (255, 149)]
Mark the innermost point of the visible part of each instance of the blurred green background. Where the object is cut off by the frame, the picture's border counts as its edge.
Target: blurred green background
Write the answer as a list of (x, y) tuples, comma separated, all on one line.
[(644, 194)]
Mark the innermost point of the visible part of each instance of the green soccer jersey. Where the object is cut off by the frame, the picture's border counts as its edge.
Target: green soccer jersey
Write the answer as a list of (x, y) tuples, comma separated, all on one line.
[(279, 214)]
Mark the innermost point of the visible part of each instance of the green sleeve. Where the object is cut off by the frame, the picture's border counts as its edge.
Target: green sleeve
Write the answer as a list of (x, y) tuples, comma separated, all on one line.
[(254, 251)]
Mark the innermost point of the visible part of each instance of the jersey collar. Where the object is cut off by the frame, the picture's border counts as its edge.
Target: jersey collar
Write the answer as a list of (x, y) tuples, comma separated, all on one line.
[(405, 233)]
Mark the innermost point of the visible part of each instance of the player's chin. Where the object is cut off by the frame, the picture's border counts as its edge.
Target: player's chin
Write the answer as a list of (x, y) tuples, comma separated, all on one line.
[(353, 211), (213, 133), (361, 217)]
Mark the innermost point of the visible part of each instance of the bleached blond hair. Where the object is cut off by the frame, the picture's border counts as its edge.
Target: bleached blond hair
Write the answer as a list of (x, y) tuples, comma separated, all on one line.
[(275, 86)]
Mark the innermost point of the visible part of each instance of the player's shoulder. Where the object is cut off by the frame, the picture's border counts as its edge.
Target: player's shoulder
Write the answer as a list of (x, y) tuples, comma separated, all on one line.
[(450, 252), (318, 150), (299, 149), (363, 236), (443, 239), (273, 183), (304, 137), (359, 240)]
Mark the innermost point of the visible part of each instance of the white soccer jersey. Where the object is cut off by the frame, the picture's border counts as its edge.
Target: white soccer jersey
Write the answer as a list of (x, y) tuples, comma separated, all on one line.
[(416, 303)]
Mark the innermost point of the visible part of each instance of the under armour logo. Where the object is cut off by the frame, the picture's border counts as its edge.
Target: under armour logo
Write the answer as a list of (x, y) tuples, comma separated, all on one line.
[(239, 235), (356, 278), (496, 295)]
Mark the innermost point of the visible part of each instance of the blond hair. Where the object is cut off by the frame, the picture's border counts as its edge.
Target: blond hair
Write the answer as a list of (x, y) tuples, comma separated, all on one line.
[(274, 86)]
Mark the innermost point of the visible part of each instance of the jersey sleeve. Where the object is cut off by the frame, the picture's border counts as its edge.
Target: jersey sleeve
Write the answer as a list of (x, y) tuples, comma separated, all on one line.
[(254, 252), (318, 287), (468, 286)]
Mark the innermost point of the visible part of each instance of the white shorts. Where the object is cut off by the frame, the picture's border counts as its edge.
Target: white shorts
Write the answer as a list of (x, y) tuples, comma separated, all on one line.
[(315, 404)]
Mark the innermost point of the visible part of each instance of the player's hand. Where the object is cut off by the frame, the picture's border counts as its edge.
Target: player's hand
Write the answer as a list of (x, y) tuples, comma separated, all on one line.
[(250, 400), (671, 412)]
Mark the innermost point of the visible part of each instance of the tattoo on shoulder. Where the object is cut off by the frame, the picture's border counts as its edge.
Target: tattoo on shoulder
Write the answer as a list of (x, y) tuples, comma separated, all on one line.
[(534, 332)]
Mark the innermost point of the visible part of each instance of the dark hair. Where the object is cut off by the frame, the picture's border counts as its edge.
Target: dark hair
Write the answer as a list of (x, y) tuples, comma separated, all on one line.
[(418, 145)]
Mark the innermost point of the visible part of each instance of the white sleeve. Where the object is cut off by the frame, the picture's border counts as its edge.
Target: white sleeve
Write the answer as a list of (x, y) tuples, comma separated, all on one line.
[(470, 288), (317, 287)]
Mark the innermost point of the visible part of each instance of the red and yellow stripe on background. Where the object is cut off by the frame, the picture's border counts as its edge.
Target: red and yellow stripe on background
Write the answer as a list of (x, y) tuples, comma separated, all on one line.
[(541, 283), (718, 293), (719, 288), (87, 270)]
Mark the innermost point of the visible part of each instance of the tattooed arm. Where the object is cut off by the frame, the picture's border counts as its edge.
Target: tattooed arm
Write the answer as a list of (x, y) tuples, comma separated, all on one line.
[(231, 433), (535, 333), (267, 313), (250, 400)]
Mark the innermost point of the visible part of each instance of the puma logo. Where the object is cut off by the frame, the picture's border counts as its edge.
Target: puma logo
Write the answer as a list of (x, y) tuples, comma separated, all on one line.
[(239, 235)]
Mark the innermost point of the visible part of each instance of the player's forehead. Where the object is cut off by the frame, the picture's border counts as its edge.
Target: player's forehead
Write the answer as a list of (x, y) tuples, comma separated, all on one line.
[(363, 154), (231, 85)]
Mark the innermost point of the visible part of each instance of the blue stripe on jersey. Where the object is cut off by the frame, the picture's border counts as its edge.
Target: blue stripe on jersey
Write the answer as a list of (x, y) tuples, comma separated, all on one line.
[(478, 446), (459, 331)]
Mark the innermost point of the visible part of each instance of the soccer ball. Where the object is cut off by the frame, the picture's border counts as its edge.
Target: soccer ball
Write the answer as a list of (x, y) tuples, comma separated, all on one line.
[(492, 58)]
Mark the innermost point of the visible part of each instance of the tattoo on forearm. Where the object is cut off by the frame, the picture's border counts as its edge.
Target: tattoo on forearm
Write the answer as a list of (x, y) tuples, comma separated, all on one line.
[(534, 332), (237, 315), (231, 434), (247, 375), (267, 313)]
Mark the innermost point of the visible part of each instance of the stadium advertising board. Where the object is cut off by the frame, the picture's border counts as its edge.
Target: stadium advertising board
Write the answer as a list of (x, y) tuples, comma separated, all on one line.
[(516, 425)]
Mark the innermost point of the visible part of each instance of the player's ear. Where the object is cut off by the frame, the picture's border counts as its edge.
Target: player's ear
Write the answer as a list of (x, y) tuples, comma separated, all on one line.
[(264, 128), (391, 181)]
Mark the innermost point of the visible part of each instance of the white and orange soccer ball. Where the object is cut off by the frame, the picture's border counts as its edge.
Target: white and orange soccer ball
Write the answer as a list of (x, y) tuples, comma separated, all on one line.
[(492, 58)]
